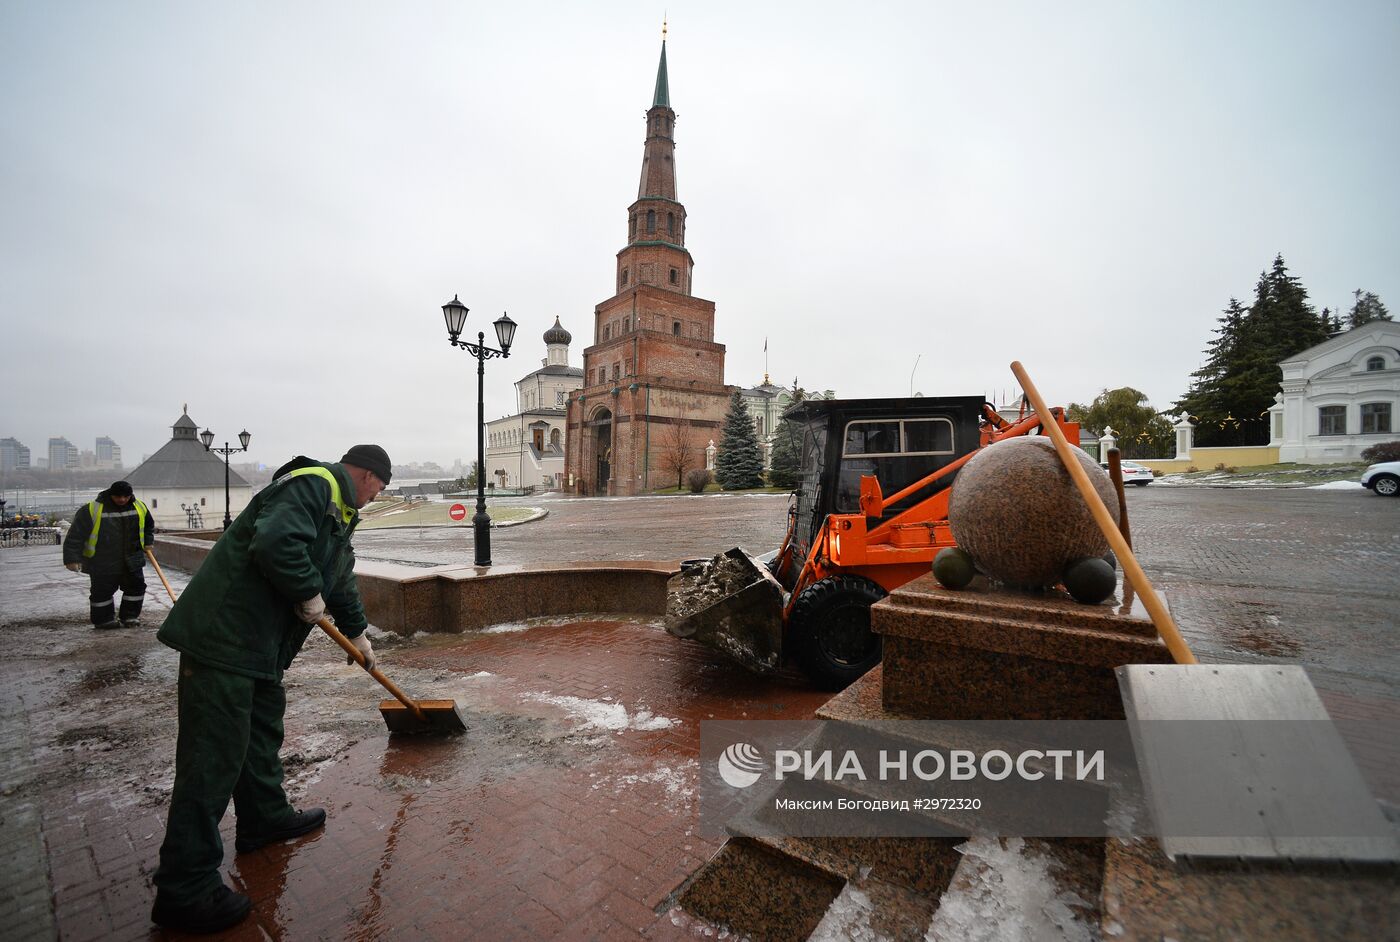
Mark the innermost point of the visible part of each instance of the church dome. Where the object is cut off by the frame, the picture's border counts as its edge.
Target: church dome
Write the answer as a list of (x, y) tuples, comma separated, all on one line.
[(557, 334)]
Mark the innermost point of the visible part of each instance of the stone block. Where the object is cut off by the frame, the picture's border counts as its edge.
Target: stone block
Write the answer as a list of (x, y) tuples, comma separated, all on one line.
[(994, 654)]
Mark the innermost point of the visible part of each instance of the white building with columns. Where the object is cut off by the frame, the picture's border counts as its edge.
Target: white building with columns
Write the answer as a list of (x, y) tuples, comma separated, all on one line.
[(527, 448), (1339, 397)]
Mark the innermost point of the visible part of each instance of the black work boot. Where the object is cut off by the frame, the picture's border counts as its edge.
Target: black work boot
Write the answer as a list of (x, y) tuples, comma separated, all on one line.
[(108, 624), (130, 611), (301, 822), (219, 910)]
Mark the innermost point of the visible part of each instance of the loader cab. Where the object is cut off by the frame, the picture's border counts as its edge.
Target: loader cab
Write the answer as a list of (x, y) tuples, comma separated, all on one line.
[(899, 441)]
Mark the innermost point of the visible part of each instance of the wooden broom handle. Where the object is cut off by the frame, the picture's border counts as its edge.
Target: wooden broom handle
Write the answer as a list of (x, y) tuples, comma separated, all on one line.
[(329, 628), (1161, 618), (163, 581)]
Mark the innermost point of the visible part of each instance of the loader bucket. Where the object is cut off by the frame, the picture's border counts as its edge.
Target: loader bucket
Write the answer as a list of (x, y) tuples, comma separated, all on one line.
[(732, 604)]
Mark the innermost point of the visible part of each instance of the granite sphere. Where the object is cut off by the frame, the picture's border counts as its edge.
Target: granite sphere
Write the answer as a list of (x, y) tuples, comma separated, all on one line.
[(1016, 510)]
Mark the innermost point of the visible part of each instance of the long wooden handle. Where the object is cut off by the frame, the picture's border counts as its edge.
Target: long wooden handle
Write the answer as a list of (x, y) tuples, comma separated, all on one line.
[(329, 628), (1115, 474), (1166, 627), (163, 581)]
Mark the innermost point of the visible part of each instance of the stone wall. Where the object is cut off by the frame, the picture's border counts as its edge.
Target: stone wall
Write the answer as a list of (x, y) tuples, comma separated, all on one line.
[(408, 599)]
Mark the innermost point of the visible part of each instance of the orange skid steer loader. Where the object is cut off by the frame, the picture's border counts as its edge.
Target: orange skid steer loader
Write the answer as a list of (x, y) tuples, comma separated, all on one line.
[(869, 514)]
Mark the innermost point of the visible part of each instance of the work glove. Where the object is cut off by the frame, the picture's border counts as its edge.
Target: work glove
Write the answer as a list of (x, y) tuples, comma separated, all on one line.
[(74, 567), (312, 610), (362, 645)]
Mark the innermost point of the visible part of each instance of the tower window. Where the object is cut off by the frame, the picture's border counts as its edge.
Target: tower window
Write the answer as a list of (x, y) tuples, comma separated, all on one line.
[(651, 220), (624, 276), (607, 331), (674, 279), (617, 371), (632, 226), (670, 223), (675, 328)]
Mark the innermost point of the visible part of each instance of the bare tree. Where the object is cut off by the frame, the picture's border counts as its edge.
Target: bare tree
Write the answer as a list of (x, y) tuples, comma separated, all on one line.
[(678, 451)]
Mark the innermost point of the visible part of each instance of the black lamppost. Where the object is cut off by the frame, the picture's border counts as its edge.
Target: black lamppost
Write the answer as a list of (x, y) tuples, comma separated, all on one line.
[(455, 313), (207, 437)]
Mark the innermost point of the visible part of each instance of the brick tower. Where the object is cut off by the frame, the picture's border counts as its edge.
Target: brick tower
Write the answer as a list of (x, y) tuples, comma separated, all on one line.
[(653, 393)]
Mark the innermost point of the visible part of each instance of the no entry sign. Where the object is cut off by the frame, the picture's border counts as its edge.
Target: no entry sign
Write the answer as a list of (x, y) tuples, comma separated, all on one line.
[(457, 511)]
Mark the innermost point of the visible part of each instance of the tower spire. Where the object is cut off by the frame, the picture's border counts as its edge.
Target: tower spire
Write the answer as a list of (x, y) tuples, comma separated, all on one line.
[(662, 96)]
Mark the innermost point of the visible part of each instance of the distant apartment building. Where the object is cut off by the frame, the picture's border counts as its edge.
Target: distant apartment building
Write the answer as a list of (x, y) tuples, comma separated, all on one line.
[(109, 453), (13, 455), (63, 455)]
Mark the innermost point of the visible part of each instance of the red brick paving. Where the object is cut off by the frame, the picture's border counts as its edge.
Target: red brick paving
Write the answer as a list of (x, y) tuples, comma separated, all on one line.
[(570, 846)]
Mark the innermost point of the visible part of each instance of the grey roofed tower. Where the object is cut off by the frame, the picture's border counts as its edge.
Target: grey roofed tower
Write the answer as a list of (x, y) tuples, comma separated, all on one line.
[(183, 462)]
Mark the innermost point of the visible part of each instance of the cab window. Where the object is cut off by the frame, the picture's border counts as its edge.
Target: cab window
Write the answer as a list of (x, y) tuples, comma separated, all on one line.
[(898, 452)]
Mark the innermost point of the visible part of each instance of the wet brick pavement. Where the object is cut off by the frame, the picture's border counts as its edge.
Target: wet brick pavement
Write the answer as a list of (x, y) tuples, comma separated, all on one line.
[(568, 810)]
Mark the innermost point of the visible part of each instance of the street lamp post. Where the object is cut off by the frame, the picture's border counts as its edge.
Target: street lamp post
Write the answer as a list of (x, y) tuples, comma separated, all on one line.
[(455, 313), (207, 437)]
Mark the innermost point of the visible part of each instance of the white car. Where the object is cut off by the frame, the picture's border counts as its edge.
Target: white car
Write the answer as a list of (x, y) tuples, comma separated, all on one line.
[(1133, 473), (1383, 478)]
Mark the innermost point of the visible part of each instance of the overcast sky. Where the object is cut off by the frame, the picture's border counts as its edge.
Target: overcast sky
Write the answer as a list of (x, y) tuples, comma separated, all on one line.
[(258, 208)]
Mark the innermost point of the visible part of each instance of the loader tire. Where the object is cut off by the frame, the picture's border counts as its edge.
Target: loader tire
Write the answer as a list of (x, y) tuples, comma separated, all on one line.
[(830, 630)]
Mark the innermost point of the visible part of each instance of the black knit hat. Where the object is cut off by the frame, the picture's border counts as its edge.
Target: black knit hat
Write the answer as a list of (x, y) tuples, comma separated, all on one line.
[(371, 458), (120, 489)]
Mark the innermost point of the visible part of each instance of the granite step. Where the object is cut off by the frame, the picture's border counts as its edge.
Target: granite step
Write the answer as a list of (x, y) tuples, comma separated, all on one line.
[(753, 889)]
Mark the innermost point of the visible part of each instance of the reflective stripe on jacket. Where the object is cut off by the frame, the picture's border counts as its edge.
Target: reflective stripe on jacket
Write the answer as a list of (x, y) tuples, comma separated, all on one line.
[(95, 511), (346, 513)]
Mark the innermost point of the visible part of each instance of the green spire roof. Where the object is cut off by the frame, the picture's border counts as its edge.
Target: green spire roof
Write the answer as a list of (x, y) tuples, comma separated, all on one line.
[(662, 98)]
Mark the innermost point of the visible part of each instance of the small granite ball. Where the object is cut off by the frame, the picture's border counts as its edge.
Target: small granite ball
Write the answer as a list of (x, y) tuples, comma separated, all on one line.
[(953, 568), (1090, 580), (1016, 511)]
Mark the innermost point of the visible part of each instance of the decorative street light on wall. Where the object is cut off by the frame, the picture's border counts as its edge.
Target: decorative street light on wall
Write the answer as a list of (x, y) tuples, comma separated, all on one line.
[(207, 437), (454, 312)]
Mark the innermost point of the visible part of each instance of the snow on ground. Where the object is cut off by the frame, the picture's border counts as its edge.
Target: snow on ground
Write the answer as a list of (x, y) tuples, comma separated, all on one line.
[(847, 919), (678, 780), (507, 628), (1338, 486), (603, 714), (1006, 892)]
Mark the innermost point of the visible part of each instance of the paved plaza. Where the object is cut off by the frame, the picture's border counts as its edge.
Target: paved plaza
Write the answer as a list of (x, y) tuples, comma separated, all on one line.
[(569, 808)]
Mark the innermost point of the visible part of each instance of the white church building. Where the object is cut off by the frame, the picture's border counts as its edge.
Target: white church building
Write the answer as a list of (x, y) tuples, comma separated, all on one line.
[(526, 448), (1339, 397)]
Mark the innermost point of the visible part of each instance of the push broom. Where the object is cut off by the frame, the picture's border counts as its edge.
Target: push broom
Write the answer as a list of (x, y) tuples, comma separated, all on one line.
[(403, 714)]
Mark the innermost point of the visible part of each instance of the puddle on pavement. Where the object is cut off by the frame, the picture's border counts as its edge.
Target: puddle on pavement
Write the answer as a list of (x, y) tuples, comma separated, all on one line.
[(99, 678), (1256, 629)]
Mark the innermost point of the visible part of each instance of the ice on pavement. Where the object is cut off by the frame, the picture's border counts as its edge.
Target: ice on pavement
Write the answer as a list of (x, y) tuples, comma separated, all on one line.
[(1007, 893)]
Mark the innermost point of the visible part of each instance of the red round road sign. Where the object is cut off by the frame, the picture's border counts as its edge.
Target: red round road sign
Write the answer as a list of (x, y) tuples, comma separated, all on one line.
[(457, 511)]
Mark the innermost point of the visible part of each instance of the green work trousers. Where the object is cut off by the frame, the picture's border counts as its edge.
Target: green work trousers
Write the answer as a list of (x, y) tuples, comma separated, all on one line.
[(230, 734)]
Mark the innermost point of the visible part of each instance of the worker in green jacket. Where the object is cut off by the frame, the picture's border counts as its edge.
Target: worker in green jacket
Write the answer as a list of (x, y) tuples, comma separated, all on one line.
[(108, 541), (284, 563)]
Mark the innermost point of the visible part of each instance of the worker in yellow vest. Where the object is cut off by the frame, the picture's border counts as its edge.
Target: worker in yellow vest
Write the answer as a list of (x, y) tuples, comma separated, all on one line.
[(108, 541)]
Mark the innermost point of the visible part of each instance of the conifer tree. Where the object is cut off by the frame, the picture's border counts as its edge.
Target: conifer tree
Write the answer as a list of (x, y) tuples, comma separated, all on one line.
[(1367, 308), (1231, 394), (787, 448), (739, 463)]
